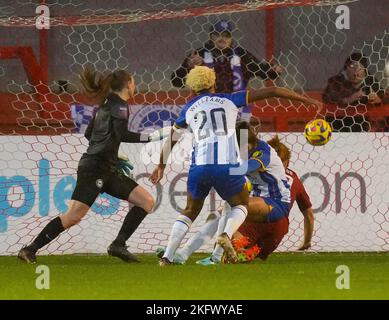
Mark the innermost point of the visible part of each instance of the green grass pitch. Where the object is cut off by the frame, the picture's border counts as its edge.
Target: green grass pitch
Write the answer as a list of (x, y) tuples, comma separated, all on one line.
[(283, 276)]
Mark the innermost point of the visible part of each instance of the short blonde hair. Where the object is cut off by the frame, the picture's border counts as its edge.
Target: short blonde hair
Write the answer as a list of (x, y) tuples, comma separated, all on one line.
[(200, 78)]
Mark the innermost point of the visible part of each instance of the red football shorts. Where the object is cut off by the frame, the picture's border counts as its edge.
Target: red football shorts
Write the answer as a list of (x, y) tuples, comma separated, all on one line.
[(266, 235)]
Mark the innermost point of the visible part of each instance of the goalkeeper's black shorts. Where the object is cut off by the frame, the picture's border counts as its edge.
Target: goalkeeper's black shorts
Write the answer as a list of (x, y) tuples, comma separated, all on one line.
[(90, 184)]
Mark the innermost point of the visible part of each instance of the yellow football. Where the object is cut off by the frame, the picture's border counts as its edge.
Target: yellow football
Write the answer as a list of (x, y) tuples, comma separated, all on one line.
[(318, 132)]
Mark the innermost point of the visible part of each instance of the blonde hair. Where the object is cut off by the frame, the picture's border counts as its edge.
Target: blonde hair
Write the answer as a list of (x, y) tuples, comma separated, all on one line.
[(200, 78)]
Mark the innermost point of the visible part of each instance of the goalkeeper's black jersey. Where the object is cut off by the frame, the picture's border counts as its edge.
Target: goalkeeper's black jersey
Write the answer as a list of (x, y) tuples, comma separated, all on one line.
[(105, 132)]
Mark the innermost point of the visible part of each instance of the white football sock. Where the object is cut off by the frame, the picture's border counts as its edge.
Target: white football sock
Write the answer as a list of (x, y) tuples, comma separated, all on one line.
[(179, 230), (234, 219), (217, 252), (206, 232), (223, 219)]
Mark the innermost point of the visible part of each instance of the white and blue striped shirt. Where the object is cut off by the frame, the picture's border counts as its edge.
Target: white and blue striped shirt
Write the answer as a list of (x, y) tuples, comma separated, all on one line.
[(211, 117), (267, 173)]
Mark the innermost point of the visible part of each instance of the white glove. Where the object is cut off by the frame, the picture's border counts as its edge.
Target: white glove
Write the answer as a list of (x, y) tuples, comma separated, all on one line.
[(160, 134)]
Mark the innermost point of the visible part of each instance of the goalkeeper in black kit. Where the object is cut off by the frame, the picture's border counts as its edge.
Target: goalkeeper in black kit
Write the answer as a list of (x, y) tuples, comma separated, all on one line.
[(99, 167)]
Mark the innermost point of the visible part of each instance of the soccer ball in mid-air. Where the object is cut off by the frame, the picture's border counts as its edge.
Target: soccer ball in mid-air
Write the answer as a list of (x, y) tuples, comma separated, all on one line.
[(318, 132)]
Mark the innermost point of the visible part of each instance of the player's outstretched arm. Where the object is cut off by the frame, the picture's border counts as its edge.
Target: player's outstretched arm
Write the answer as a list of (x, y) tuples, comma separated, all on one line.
[(120, 127), (276, 92), (160, 134), (308, 228), (172, 139)]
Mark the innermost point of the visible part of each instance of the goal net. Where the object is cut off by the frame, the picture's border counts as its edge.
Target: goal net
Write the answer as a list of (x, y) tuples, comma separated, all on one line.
[(290, 43)]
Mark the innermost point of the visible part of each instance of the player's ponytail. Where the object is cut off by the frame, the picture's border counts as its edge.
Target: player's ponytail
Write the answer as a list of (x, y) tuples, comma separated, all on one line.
[(282, 150), (97, 86)]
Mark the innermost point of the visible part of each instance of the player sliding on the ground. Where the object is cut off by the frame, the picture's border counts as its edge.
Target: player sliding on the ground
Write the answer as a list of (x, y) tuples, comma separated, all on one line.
[(269, 235), (266, 235), (215, 157), (98, 169)]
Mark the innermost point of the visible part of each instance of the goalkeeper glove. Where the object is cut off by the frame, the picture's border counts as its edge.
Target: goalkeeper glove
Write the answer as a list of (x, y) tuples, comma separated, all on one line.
[(124, 166)]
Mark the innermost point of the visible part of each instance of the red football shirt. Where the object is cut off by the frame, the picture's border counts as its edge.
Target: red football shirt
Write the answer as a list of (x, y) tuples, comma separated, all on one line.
[(297, 192)]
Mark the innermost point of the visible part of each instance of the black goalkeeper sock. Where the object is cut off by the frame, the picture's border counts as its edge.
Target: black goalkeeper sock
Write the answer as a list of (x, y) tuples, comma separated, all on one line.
[(49, 233), (131, 222)]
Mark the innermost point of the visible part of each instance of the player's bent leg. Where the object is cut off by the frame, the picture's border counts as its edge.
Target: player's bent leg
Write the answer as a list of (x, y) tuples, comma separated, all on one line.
[(245, 241), (266, 210), (266, 224), (258, 210), (181, 227), (76, 211), (271, 236), (143, 205), (267, 236), (241, 198), (85, 193), (140, 197), (235, 217), (193, 207), (206, 232), (220, 228), (198, 186)]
